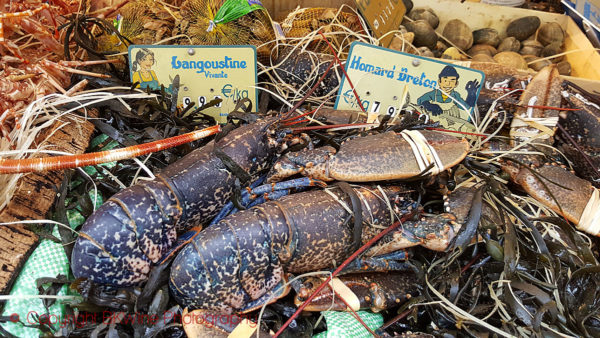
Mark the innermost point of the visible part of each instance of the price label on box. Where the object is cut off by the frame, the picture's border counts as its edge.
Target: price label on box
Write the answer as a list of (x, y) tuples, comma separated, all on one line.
[(386, 79), (205, 72)]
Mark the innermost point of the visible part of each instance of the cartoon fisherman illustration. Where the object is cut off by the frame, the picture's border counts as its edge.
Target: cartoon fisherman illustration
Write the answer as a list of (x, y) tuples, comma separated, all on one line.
[(444, 99), (144, 59)]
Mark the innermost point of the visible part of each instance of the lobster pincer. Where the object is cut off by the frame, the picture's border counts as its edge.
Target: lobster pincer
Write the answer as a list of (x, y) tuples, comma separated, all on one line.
[(374, 291), (562, 191), (435, 232), (377, 157)]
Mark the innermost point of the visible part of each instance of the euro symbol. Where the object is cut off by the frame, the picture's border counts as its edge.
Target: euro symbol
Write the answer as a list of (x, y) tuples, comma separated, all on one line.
[(226, 90)]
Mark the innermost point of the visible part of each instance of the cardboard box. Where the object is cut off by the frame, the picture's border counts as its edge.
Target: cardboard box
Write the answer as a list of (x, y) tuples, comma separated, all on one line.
[(587, 17)]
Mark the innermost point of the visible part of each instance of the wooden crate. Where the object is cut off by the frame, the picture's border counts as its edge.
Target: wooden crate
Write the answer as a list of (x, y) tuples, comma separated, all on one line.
[(584, 59)]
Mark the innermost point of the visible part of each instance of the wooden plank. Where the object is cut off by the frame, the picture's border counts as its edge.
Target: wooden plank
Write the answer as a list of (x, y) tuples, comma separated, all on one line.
[(279, 9), (33, 198), (382, 17)]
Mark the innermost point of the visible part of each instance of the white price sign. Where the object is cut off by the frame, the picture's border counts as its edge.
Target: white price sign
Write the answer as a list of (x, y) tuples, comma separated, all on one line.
[(206, 73), (445, 92)]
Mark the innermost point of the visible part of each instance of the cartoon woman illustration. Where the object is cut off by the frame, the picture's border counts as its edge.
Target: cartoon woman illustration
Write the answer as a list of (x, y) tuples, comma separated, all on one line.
[(144, 58)]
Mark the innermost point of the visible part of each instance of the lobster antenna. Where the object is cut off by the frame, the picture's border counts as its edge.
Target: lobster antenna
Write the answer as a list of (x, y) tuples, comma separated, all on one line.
[(16, 166)]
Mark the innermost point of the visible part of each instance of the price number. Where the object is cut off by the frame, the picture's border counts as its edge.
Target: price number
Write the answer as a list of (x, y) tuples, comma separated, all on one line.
[(220, 103), (376, 106), (201, 101), (391, 110), (186, 101)]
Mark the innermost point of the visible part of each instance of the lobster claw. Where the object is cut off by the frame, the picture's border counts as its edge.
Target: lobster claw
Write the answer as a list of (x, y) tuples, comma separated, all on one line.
[(378, 157), (452, 229), (562, 191), (312, 163)]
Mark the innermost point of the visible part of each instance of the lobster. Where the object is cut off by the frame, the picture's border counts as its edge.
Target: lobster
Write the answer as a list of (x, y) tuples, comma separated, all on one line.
[(234, 265), (131, 231), (121, 241)]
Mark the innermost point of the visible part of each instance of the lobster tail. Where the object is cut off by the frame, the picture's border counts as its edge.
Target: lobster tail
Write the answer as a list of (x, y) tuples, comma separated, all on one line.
[(226, 267), (119, 243)]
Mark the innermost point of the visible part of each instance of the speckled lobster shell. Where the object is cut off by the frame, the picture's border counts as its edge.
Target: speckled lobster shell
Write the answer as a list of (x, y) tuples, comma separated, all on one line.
[(120, 242), (231, 266)]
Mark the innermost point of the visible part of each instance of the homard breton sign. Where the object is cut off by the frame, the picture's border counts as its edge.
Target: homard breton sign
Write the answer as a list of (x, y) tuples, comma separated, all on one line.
[(205, 72), (445, 92)]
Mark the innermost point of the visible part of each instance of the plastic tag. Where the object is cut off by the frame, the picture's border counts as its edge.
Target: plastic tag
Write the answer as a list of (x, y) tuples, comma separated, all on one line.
[(234, 9)]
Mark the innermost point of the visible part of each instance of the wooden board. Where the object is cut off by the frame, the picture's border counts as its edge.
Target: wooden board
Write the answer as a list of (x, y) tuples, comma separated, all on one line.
[(382, 17), (279, 9), (584, 59), (33, 198)]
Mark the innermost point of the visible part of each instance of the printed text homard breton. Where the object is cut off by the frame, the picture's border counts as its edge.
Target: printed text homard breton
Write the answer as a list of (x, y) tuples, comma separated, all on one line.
[(403, 76)]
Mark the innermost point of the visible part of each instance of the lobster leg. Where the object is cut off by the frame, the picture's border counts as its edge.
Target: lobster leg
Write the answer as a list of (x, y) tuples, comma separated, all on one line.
[(271, 191), (229, 208), (297, 183)]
